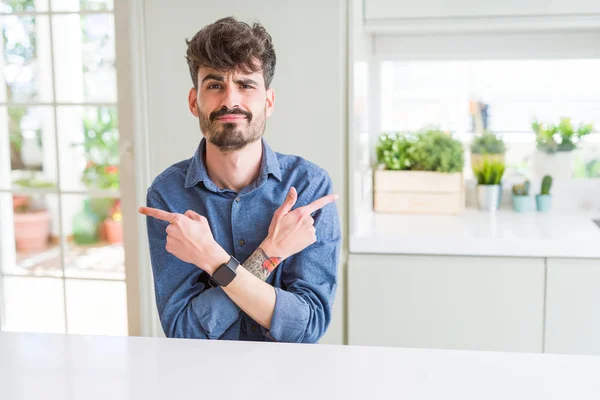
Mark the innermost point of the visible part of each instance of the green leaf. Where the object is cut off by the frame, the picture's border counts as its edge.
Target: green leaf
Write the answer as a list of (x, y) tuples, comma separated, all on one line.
[(488, 143), (562, 137), (489, 172)]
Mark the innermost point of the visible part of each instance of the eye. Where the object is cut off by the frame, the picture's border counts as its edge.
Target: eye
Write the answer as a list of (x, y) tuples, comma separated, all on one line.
[(214, 86), (247, 87)]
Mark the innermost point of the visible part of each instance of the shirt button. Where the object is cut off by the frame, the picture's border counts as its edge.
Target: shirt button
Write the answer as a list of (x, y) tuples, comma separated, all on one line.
[(254, 328), (241, 242), (237, 199)]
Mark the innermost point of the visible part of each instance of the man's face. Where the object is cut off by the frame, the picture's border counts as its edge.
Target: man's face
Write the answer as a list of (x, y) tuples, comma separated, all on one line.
[(232, 107)]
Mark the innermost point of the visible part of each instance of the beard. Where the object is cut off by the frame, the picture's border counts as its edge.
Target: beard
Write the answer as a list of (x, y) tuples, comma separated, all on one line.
[(232, 136)]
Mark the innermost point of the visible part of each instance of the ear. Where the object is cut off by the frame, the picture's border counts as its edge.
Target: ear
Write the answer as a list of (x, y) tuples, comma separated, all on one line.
[(270, 102), (193, 101)]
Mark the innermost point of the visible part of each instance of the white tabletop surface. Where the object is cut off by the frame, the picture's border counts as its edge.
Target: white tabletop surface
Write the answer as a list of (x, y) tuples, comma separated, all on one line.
[(53, 367), (479, 233)]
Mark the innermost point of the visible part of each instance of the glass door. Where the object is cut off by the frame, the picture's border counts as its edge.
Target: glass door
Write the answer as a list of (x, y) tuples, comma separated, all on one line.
[(62, 257)]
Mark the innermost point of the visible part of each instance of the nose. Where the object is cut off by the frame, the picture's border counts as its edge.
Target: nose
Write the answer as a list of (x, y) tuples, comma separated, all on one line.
[(231, 97)]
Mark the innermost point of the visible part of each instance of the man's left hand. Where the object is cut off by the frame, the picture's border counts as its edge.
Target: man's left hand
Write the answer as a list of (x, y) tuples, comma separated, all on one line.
[(190, 239)]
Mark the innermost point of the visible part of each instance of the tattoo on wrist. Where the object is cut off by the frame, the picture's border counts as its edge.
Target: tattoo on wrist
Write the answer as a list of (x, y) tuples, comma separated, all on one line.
[(269, 263), (261, 265)]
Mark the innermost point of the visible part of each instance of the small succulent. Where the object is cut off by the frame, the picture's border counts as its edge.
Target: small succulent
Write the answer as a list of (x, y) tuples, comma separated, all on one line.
[(521, 189), (546, 184), (489, 173)]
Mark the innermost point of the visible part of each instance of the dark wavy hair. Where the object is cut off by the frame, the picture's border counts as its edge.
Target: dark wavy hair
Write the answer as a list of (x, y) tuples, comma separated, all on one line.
[(231, 45)]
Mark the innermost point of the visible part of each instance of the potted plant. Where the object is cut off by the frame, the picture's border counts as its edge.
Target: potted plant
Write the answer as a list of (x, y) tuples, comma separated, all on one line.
[(104, 177), (101, 171), (555, 145), (32, 227), (487, 146), (419, 173), (543, 200), (489, 186), (31, 217), (113, 226), (520, 197)]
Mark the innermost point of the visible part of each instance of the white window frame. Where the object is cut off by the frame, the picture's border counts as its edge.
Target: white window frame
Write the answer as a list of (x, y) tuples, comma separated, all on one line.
[(134, 133)]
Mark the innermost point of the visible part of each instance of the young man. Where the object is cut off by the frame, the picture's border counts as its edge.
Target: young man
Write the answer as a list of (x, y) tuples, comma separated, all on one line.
[(236, 199)]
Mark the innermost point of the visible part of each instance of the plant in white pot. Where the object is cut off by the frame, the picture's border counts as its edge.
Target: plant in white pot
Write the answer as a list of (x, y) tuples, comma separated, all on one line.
[(554, 147), (543, 200), (487, 146), (489, 184), (419, 173)]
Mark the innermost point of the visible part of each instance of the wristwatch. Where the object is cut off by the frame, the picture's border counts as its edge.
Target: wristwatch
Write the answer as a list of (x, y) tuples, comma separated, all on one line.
[(225, 273)]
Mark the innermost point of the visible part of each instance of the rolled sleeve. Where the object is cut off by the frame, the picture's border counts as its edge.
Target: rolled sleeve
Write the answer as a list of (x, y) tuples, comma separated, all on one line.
[(290, 317), (188, 307), (215, 312), (304, 303)]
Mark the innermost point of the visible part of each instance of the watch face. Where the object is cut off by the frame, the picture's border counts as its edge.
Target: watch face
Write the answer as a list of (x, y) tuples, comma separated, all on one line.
[(223, 275)]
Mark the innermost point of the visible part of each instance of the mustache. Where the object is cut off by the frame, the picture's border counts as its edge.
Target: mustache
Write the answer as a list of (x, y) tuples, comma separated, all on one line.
[(227, 111)]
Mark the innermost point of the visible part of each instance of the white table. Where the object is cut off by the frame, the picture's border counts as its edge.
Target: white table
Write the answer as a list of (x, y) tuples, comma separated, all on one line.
[(53, 367)]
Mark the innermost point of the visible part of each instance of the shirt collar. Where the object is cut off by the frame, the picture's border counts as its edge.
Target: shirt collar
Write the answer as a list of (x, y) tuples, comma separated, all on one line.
[(197, 169)]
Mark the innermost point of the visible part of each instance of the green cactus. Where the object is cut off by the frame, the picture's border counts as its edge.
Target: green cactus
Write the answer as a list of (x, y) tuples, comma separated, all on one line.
[(546, 184), (521, 189)]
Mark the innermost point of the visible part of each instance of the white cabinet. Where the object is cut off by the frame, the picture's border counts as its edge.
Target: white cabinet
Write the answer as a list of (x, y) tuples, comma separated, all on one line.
[(573, 306), (470, 16), (476, 303), (404, 9)]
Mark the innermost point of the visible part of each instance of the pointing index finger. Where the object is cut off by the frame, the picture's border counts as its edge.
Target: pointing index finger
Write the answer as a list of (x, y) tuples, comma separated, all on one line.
[(320, 203), (156, 213)]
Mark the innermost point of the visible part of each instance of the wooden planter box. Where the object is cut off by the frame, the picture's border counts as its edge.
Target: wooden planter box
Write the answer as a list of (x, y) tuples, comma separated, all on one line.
[(418, 192)]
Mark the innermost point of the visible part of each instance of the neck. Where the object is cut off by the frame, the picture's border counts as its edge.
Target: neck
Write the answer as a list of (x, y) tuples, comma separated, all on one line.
[(234, 170)]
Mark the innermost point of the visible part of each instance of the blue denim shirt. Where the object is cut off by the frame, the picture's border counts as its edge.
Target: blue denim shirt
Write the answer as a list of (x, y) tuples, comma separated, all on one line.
[(305, 283)]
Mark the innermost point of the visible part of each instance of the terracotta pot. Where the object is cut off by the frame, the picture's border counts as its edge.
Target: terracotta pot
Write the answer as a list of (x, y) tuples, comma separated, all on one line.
[(32, 230), (113, 231)]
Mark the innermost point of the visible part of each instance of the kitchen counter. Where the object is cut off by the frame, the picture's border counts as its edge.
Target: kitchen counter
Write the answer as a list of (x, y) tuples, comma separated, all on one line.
[(479, 233), (53, 367)]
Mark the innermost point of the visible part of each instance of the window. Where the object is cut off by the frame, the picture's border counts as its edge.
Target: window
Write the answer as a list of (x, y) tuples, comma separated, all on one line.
[(61, 249), (415, 94)]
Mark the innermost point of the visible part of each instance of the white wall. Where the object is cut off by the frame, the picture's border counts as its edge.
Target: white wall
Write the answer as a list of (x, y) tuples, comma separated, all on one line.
[(310, 86)]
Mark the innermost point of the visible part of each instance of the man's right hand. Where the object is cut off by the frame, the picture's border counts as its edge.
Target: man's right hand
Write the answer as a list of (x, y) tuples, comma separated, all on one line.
[(292, 231)]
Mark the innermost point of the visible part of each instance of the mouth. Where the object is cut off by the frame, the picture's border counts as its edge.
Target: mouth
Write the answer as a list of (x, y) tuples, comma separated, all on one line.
[(231, 117)]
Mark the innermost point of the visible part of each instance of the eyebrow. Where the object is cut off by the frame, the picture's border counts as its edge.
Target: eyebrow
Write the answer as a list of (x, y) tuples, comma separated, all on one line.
[(221, 78)]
